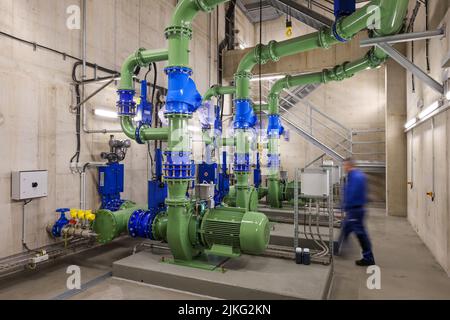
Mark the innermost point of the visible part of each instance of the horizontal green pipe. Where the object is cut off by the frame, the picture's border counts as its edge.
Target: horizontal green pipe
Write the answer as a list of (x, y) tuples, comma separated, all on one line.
[(260, 107), (216, 91), (141, 58), (388, 13), (228, 142), (147, 134), (155, 134), (371, 60)]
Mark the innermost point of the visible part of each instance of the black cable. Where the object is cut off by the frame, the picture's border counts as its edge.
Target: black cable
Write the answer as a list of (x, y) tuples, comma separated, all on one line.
[(155, 80), (260, 69), (427, 24), (78, 115)]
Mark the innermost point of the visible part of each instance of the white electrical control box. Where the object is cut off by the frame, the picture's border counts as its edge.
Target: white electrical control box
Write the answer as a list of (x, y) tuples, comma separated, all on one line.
[(27, 185), (315, 182)]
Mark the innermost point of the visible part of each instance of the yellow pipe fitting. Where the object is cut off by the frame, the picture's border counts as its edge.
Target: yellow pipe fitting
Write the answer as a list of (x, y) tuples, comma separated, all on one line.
[(81, 214), (73, 213)]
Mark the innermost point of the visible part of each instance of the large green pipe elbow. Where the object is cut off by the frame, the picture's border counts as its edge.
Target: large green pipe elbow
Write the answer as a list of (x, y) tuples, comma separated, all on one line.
[(216, 91), (186, 10), (140, 58), (179, 33), (393, 14)]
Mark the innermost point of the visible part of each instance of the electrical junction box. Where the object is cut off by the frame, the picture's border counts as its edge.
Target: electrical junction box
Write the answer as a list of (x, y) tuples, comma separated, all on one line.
[(315, 182), (27, 185)]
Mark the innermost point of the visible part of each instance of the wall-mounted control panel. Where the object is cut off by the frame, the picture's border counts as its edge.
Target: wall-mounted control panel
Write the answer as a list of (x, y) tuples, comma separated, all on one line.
[(27, 185)]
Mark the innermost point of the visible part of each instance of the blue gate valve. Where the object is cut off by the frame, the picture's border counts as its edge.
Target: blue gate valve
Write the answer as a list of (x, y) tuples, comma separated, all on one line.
[(60, 223)]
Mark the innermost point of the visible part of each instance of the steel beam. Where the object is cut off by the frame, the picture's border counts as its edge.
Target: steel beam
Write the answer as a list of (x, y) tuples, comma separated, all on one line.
[(405, 37), (408, 65), (302, 13)]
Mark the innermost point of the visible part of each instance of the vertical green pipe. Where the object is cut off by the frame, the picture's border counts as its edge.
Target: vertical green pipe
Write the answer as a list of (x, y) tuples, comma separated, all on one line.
[(179, 35), (242, 186)]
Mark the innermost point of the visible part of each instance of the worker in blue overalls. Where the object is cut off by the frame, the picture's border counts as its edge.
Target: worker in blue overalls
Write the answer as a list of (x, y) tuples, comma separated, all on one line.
[(354, 203)]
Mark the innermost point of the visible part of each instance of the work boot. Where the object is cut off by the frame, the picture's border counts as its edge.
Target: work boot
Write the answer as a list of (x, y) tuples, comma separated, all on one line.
[(364, 263)]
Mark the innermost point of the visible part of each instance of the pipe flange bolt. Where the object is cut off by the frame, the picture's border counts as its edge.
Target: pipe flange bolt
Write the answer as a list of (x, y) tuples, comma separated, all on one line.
[(374, 61), (177, 69), (178, 31), (258, 54), (272, 53), (204, 6), (323, 35), (243, 75)]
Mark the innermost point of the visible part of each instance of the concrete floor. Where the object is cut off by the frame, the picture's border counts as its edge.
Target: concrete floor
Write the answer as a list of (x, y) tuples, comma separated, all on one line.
[(408, 271)]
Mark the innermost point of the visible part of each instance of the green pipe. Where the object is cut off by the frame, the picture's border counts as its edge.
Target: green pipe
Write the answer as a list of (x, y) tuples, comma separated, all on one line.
[(390, 14), (147, 134), (228, 142), (216, 91), (179, 33), (260, 108), (371, 60), (207, 139), (109, 225), (141, 58)]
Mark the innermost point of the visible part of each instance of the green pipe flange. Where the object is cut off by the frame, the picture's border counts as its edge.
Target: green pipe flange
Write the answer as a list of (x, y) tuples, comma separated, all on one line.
[(159, 227), (178, 31), (178, 116), (139, 57), (374, 61), (271, 51), (323, 38), (258, 54)]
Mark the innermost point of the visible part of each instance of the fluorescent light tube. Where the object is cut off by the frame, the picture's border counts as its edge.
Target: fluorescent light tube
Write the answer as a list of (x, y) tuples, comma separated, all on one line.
[(267, 78), (429, 110), (106, 113), (410, 123)]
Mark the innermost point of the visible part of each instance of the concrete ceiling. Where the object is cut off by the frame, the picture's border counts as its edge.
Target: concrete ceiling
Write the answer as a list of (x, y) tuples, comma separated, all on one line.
[(251, 8)]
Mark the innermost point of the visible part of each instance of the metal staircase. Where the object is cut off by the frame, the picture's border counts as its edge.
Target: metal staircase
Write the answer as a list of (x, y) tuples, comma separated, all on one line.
[(333, 138)]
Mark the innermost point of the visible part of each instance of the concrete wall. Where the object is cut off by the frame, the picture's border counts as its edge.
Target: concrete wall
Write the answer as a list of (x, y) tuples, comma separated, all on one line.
[(358, 103), (37, 129), (430, 219)]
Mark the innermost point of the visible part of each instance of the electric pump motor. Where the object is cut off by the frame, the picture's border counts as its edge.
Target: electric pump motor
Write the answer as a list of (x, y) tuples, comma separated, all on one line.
[(241, 230)]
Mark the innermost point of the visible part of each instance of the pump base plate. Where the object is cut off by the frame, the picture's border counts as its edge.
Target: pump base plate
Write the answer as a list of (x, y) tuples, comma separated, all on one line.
[(246, 278), (209, 263)]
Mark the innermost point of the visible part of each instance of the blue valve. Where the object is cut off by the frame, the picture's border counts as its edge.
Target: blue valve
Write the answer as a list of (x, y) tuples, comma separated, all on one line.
[(60, 223)]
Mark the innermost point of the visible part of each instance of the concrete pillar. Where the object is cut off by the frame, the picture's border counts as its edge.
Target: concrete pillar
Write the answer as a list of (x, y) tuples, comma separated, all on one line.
[(396, 147)]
